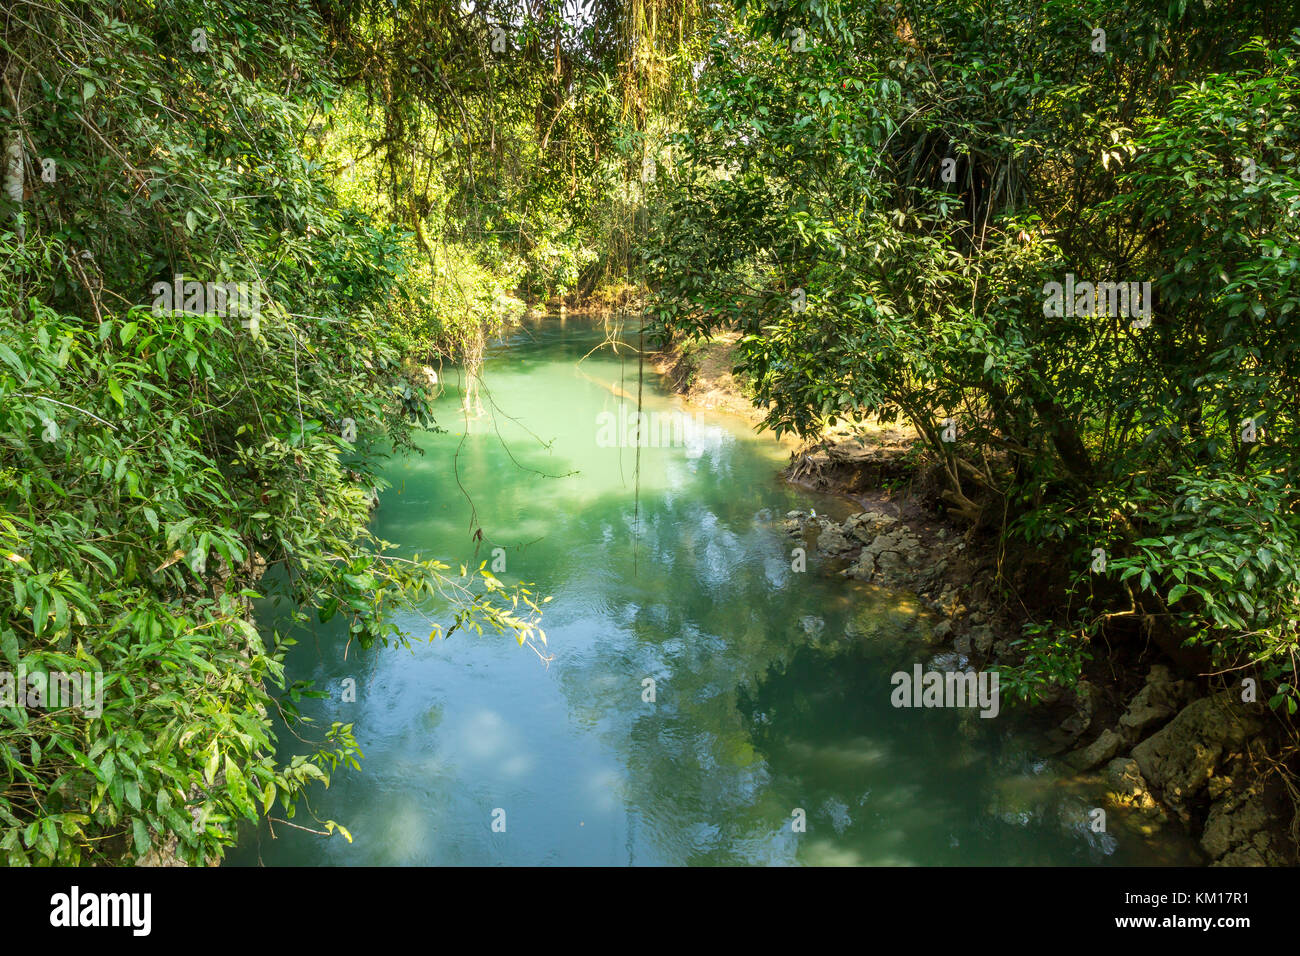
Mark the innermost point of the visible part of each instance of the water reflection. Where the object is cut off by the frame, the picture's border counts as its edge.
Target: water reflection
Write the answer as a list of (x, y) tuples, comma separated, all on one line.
[(770, 687)]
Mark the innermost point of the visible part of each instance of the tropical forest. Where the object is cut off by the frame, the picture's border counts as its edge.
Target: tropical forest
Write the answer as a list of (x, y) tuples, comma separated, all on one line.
[(668, 433)]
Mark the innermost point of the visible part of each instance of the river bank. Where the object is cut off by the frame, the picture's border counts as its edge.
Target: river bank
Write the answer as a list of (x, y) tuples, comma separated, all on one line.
[(1171, 743)]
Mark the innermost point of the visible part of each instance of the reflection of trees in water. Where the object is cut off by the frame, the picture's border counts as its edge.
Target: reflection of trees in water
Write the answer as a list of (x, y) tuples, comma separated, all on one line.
[(771, 698), (930, 787), (714, 622)]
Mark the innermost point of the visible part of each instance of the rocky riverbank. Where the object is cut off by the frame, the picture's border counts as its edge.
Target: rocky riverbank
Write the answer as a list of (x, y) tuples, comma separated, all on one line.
[(1175, 750), (1170, 744)]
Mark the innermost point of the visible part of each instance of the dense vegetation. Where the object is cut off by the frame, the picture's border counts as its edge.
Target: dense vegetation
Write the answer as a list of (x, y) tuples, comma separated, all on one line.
[(164, 462), (879, 196)]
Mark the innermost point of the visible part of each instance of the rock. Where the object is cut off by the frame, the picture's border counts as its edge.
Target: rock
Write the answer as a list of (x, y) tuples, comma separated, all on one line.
[(982, 638), (1157, 701), (891, 562), (1125, 777), (794, 522), (1159, 674), (832, 541), (864, 569), (1100, 751), (1224, 779), (1243, 856), (894, 551), (867, 525), (942, 631), (1240, 821), (1077, 724), (1181, 757), (1150, 708), (812, 625), (1052, 694), (1128, 788), (948, 661)]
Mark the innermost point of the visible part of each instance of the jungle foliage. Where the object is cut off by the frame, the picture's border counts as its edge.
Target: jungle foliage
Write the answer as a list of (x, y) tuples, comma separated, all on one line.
[(878, 196), (511, 134), (160, 468)]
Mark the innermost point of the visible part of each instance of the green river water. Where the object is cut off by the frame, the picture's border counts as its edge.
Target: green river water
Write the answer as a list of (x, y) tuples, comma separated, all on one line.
[(772, 687)]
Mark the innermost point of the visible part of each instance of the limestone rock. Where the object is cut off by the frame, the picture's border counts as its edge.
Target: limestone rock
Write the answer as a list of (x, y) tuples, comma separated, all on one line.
[(1232, 821), (982, 638), (1243, 856), (866, 525), (1181, 757), (1157, 701), (832, 541), (1077, 724), (1128, 788), (864, 568), (1100, 751)]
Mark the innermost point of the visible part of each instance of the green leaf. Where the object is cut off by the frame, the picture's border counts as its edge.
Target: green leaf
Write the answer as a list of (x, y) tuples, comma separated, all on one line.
[(39, 614), (48, 841), (141, 833), (108, 562), (9, 645), (237, 787), (10, 358)]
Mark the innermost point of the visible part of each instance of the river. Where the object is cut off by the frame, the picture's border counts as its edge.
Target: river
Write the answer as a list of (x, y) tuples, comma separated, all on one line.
[(770, 738)]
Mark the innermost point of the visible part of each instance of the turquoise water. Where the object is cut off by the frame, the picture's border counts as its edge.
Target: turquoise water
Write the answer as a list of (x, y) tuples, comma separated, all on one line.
[(771, 687)]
